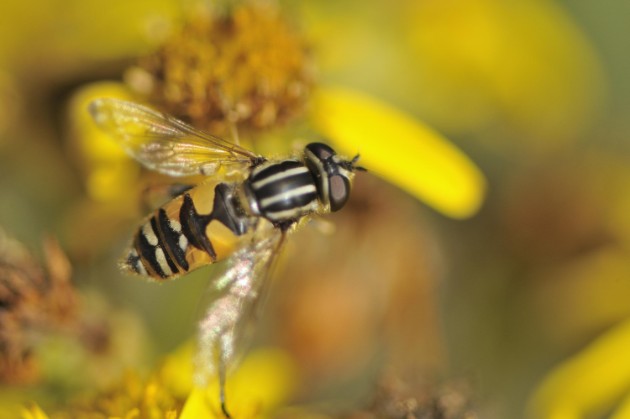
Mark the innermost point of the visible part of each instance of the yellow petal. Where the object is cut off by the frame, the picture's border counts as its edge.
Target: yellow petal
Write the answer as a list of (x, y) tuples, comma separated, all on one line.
[(33, 412), (588, 383), (264, 380), (177, 370), (197, 406), (106, 167), (400, 149), (623, 411)]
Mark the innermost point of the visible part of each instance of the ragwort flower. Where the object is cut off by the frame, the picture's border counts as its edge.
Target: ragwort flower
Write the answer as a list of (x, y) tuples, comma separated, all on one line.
[(263, 381), (246, 68)]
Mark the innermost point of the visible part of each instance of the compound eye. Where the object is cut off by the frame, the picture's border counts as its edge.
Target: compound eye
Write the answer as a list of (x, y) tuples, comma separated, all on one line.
[(321, 151), (339, 192)]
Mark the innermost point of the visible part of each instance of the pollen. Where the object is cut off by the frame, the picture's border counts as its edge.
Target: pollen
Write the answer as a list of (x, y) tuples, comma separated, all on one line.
[(247, 69)]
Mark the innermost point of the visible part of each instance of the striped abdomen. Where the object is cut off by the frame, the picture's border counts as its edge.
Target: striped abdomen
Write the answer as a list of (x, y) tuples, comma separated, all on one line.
[(197, 228), (283, 191)]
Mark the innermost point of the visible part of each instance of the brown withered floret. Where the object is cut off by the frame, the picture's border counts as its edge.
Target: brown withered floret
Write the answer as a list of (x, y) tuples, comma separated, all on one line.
[(395, 398), (246, 67), (32, 301)]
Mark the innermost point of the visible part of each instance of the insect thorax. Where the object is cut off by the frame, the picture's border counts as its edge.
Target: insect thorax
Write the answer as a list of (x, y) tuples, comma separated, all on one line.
[(285, 191), (282, 192)]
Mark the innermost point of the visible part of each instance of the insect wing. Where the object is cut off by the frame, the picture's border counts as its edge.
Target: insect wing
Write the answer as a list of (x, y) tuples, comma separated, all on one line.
[(227, 322), (166, 144)]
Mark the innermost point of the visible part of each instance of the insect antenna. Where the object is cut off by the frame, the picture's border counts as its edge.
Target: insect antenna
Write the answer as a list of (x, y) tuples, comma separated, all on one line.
[(351, 165)]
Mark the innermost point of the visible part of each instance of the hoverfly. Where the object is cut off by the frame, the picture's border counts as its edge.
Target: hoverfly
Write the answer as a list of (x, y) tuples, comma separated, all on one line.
[(241, 212)]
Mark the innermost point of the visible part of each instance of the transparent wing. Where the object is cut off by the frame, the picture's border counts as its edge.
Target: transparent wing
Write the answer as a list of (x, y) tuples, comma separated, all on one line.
[(227, 323), (166, 144)]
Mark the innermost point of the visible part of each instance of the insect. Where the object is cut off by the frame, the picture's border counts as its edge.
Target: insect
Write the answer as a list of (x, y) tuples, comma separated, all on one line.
[(241, 212)]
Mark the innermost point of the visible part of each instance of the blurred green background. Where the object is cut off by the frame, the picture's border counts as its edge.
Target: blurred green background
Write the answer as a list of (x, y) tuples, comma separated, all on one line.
[(535, 92)]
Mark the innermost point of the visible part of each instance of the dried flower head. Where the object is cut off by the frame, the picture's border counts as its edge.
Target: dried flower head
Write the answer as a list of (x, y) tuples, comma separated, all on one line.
[(246, 67), (395, 398), (33, 299)]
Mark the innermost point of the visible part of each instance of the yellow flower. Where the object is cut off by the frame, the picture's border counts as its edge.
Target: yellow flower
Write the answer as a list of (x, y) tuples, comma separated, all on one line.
[(246, 67), (264, 381)]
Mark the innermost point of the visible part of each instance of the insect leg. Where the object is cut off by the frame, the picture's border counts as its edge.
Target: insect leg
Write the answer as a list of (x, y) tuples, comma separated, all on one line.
[(226, 342), (230, 115), (228, 322), (222, 367), (233, 130)]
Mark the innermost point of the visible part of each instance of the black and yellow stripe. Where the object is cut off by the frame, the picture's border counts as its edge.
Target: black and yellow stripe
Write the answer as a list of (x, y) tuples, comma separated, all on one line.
[(179, 237), (174, 240)]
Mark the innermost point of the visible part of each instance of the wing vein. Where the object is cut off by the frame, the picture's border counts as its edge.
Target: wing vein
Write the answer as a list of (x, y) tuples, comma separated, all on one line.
[(165, 144)]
